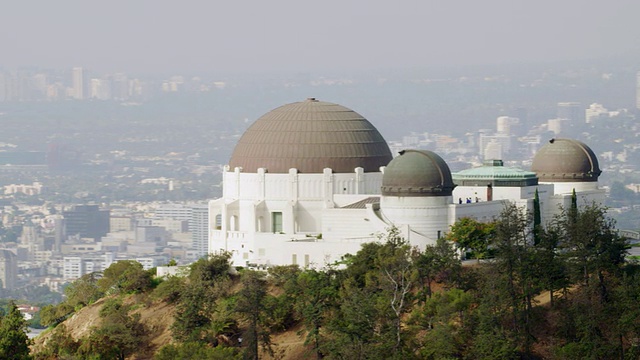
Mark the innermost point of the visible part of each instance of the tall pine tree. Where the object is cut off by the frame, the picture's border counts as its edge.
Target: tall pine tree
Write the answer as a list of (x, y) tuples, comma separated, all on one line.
[(14, 342)]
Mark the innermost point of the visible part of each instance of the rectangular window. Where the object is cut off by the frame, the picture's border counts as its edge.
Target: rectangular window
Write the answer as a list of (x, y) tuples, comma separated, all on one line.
[(306, 260), (276, 222), (294, 259)]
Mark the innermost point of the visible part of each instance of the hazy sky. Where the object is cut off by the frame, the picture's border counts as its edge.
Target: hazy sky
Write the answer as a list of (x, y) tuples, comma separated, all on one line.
[(298, 35)]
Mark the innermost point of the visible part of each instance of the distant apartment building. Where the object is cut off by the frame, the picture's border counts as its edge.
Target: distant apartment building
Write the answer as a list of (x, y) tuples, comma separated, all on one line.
[(120, 223), (73, 267), (152, 261), (504, 124), (595, 112), (557, 126), (151, 234), (172, 225), (493, 150), (81, 248), (199, 229), (33, 189), (76, 266), (42, 256), (8, 269), (173, 211), (100, 89), (496, 146)]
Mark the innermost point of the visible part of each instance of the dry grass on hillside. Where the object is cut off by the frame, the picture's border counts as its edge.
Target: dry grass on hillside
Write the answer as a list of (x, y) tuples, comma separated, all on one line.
[(157, 316)]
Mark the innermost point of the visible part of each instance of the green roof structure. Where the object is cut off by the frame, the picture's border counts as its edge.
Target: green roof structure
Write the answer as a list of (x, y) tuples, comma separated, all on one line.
[(494, 173)]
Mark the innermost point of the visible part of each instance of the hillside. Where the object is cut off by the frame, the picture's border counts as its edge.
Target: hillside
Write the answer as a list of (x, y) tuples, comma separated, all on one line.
[(388, 301), (157, 317)]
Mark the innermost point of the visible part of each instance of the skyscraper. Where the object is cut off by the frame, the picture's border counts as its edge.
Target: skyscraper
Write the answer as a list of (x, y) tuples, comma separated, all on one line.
[(87, 221), (199, 228), (77, 82), (8, 269)]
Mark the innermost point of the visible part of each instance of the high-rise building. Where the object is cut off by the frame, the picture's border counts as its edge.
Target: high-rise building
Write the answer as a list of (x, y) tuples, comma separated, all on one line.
[(505, 123), (199, 229), (488, 143), (173, 211), (100, 89), (595, 112), (77, 82), (8, 269), (493, 150), (87, 221), (556, 126)]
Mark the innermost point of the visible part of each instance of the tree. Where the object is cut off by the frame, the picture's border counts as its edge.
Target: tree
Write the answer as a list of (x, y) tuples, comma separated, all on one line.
[(397, 277), (208, 270), (195, 350), (83, 291), (14, 342), (515, 270), (169, 289), (537, 218), (118, 336), (593, 247), (192, 313), (443, 319), (473, 235), (250, 304), (316, 295), (550, 263), (125, 276), (376, 292), (436, 263), (208, 281), (59, 346), (352, 331), (52, 315)]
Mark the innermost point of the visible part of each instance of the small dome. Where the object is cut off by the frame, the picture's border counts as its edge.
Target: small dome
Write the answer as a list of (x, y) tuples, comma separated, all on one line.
[(566, 160), (417, 173), (310, 136)]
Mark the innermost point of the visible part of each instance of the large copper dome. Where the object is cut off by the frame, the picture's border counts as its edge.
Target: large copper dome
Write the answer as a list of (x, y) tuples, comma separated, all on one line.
[(566, 160), (310, 136), (417, 173)]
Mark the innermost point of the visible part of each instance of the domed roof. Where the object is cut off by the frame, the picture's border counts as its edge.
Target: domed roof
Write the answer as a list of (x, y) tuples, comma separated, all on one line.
[(417, 173), (310, 136), (566, 160)]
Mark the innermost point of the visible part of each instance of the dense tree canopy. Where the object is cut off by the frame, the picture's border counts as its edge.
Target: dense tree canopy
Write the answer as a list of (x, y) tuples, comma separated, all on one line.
[(559, 290)]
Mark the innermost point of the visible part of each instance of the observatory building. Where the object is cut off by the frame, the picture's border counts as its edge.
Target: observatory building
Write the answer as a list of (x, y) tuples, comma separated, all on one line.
[(311, 181)]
